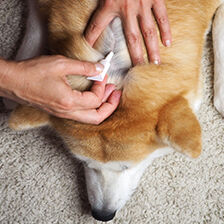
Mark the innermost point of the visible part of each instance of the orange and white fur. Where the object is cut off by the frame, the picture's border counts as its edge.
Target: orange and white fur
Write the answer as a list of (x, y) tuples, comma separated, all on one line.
[(158, 105)]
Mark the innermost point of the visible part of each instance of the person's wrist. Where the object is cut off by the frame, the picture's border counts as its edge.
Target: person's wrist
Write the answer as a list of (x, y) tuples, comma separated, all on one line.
[(7, 74)]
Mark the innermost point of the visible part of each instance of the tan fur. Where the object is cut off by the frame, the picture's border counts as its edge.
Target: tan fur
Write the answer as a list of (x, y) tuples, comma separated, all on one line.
[(179, 127), (156, 100), (45, 5), (26, 117)]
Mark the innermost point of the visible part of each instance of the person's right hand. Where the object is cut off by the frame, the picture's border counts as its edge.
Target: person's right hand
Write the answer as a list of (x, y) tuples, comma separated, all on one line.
[(42, 83)]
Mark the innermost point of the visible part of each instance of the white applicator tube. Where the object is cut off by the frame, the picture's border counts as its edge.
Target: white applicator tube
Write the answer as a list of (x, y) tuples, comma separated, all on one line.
[(106, 63)]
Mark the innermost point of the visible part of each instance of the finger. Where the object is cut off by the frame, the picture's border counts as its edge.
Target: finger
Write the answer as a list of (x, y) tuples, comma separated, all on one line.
[(99, 115), (133, 38), (101, 91), (81, 100), (91, 99), (160, 12), (150, 37), (75, 67), (99, 22), (98, 88), (108, 90), (110, 106)]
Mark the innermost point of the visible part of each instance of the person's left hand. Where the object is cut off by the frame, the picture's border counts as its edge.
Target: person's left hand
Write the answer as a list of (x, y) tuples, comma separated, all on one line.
[(134, 13)]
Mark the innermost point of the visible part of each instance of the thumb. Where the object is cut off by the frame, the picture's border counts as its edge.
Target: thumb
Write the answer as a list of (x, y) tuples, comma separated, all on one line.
[(75, 67)]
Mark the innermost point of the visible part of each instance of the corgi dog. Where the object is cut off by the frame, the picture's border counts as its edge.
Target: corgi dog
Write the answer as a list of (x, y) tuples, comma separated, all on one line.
[(156, 114)]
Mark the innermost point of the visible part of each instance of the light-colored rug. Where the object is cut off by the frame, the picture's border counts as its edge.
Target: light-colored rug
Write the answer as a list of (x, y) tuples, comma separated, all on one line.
[(40, 182)]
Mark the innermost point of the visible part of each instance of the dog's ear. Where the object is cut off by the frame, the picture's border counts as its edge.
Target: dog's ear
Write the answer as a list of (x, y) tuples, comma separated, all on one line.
[(26, 117), (179, 128)]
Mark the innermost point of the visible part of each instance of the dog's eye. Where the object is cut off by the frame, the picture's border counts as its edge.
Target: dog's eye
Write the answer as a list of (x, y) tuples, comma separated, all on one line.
[(124, 167)]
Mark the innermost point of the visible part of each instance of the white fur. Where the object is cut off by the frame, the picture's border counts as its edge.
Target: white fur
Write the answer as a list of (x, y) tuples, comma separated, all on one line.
[(113, 39), (24, 127), (110, 185), (197, 105), (218, 45)]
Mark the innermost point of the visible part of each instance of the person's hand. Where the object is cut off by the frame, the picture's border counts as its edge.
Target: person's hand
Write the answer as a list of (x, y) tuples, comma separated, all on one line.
[(42, 83), (134, 13)]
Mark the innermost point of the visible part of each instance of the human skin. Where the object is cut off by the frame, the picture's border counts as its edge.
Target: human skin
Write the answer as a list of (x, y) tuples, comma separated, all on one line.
[(42, 83), (137, 17)]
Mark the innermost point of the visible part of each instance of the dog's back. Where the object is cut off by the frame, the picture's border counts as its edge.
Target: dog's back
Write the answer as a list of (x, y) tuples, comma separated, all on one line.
[(147, 89), (151, 93)]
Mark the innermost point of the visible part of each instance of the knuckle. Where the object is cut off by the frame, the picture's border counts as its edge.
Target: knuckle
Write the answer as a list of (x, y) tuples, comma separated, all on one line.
[(60, 62), (95, 26), (66, 103), (97, 120), (132, 38), (124, 7), (149, 33), (85, 68), (142, 3), (98, 103), (162, 20)]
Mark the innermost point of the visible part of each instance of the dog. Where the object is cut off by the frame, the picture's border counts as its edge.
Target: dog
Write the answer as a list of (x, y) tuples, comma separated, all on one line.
[(156, 114)]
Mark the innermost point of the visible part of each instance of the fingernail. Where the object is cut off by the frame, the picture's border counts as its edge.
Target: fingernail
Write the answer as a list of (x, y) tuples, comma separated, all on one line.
[(156, 62), (99, 67), (168, 43)]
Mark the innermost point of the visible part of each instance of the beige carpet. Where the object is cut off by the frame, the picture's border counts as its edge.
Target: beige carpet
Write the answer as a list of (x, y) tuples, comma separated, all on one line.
[(40, 182)]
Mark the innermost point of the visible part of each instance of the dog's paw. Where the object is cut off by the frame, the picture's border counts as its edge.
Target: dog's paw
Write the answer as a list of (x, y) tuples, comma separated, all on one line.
[(25, 118), (195, 152)]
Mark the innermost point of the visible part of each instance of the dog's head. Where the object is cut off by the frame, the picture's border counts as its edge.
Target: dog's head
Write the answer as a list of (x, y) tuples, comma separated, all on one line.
[(110, 185), (116, 153)]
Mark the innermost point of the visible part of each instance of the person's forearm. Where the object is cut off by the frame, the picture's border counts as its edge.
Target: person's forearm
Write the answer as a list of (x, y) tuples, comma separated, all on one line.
[(6, 73), (4, 68)]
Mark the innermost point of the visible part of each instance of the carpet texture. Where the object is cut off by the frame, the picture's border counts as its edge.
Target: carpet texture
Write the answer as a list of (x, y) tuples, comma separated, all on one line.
[(40, 182)]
